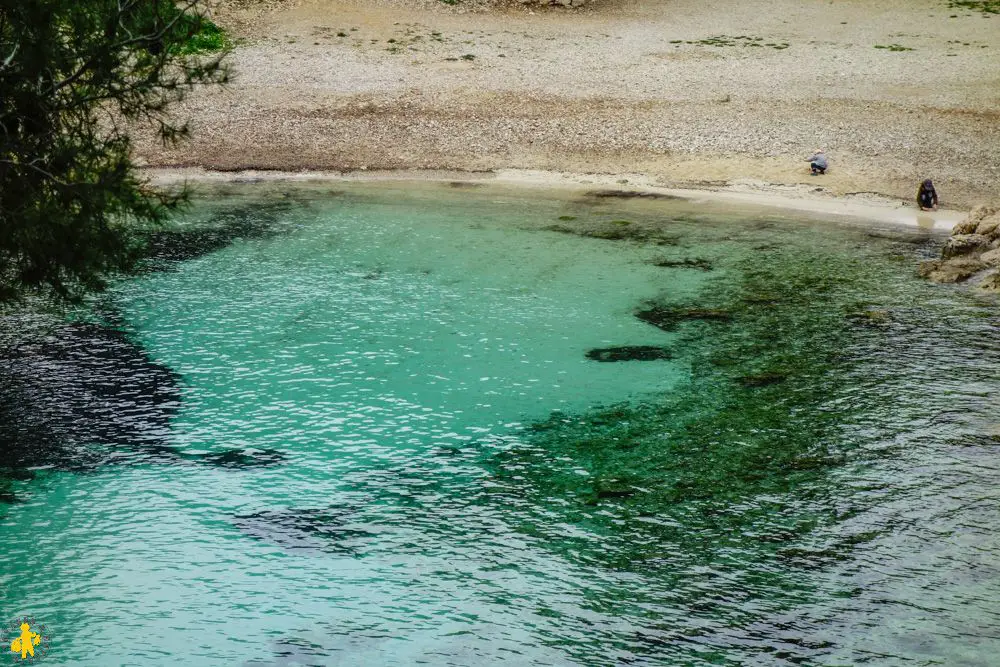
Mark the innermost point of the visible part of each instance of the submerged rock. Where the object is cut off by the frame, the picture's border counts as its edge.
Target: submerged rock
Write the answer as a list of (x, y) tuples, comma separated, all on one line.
[(629, 353), (239, 458), (872, 317), (295, 651), (617, 234), (617, 231), (612, 489), (686, 263), (668, 318)]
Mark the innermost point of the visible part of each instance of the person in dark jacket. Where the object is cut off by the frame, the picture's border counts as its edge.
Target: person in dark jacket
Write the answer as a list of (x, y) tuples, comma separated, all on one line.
[(927, 198)]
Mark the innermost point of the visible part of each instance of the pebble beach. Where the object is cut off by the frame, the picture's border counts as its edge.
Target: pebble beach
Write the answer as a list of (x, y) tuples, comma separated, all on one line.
[(687, 94)]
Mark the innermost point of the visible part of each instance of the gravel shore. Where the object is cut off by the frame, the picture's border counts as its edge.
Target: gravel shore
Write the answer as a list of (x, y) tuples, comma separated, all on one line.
[(687, 93)]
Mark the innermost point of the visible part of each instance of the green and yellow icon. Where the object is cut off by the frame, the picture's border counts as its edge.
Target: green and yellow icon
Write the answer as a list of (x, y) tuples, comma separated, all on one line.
[(26, 638), (26, 642)]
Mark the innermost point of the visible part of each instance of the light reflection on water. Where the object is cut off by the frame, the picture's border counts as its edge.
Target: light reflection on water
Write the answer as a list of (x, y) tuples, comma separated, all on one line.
[(809, 482)]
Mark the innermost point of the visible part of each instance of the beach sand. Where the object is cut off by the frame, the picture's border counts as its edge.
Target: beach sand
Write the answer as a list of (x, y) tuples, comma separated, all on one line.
[(730, 97)]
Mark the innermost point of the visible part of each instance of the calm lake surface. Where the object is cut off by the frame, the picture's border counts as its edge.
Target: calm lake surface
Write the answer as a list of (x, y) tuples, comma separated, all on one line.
[(353, 424)]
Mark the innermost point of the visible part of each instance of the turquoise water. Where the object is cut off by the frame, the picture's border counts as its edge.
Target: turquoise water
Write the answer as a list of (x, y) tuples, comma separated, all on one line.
[(430, 470)]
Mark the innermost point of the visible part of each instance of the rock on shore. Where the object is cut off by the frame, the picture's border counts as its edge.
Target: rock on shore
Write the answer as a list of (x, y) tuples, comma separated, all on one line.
[(972, 251)]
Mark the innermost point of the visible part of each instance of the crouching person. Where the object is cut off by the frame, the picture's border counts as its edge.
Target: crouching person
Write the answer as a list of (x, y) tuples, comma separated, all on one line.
[(927, 198), (818, 162)]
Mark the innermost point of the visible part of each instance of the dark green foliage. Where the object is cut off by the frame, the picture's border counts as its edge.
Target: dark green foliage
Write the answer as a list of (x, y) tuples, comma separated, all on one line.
[(205, 36), (75, 74), (984, 6)]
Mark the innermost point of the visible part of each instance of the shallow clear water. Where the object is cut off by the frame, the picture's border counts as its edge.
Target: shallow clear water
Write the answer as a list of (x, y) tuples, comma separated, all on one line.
[(390, 446)]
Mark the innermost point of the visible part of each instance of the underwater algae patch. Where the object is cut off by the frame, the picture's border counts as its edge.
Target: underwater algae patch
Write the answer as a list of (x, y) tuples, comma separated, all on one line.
[(753, 418), (731, 474)]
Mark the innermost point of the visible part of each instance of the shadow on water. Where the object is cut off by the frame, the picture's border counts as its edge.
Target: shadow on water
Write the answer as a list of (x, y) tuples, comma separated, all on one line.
[(79, 383), (294, 651), (78, 395), (251, 220)]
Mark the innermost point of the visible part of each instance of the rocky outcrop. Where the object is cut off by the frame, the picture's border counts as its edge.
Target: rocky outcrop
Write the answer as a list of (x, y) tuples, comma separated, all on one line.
[(991, 258), (973, 251), (988, 227), (956, 270), (962, 245), (991, 283)]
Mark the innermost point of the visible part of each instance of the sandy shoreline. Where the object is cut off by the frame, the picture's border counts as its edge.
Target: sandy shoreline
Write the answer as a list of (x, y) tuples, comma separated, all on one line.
[(690, 94), (745, 196)]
